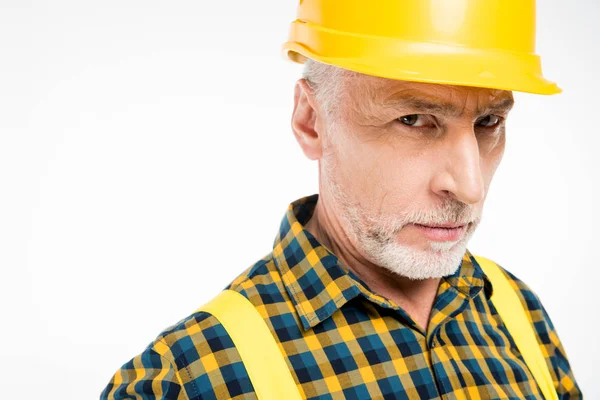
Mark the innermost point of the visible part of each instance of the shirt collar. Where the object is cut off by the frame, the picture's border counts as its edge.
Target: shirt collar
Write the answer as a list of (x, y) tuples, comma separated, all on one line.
[(318, 282)]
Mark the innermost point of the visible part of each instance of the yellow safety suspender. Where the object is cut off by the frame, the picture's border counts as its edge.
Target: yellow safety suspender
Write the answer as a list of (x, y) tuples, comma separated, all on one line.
[(268, 372), (272, 379), (515, 319)]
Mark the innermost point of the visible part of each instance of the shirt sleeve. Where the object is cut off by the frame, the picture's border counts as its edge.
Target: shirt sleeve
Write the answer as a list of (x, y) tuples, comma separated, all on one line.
[(149, 375), (552, 348)]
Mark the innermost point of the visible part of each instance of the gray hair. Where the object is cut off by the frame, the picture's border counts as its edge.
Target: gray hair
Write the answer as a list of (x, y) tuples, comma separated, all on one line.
[(327, 82)]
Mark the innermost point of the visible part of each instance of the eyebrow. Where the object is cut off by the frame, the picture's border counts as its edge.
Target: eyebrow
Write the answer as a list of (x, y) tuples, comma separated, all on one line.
[(423, 105)]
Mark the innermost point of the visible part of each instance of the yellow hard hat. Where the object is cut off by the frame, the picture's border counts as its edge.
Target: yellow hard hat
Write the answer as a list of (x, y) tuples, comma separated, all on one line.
[(483, 43)]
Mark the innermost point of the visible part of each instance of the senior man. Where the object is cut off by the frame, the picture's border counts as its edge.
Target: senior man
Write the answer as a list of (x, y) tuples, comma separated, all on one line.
[(370, 291)]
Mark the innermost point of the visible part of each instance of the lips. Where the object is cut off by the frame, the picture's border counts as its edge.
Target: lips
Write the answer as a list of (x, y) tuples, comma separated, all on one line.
[(448, 226), (443, 232)]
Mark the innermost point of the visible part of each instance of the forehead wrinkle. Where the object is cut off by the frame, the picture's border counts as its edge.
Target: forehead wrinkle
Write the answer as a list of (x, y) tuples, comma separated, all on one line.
[(424, 103), (419, 101)]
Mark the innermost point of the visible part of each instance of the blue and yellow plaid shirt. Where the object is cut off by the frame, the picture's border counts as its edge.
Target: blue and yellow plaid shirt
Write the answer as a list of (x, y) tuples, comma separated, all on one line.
[(343, 341)]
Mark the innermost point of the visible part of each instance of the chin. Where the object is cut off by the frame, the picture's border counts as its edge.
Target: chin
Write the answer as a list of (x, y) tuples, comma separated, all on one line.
[(439, 260)]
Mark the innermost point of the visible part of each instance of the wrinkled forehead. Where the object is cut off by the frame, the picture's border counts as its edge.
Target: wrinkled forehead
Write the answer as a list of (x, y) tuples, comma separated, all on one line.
[(450, 100)]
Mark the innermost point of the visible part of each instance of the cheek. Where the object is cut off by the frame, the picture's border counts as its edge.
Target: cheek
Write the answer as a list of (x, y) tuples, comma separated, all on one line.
[(490, 163), (382, 178), (492, 146)]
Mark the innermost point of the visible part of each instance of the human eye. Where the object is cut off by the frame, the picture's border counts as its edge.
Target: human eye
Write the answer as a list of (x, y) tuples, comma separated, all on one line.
[(415, 120), (490, 121)]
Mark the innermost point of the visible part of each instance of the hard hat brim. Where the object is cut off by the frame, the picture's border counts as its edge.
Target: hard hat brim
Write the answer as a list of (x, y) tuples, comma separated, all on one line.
[(427, 62)]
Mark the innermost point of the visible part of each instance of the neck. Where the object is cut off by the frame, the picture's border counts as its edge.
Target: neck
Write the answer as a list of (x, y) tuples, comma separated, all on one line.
[(416, 297)]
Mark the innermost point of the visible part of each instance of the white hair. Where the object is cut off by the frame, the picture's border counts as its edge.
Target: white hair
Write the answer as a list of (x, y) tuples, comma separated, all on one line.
[(327, 82)]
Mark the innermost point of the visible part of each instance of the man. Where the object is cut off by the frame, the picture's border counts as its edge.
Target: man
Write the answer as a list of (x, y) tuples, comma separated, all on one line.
[(370, 291)]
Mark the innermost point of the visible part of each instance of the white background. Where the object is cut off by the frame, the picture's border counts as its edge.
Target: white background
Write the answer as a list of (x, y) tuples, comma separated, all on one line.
[(146, 159)]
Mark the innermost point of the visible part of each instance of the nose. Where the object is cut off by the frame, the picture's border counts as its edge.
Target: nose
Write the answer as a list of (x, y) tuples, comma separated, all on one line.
[(460, 174)]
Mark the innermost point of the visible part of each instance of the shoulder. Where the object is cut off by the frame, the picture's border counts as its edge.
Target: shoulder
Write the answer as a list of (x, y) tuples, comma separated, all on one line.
[(531, 303), (528, 298), (201, 350), (199, 325), (526, 294), (195, 357), (202, 333)]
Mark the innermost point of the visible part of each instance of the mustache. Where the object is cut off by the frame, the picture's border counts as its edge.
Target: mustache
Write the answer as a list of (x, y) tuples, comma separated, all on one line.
[(450, 211)]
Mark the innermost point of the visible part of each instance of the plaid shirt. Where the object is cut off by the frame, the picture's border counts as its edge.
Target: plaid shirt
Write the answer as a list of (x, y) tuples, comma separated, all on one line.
[(343, 341)]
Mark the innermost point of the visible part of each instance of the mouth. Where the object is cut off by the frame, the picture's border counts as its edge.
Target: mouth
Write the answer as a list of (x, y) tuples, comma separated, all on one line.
[(446, 226), (442, 232)]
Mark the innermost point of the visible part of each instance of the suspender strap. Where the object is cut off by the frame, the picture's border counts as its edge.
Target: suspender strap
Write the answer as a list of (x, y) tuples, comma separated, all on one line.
[(513, 315), (266, 366)]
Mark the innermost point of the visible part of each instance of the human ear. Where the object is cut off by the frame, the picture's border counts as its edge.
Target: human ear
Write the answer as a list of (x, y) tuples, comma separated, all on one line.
[(305, 121)]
